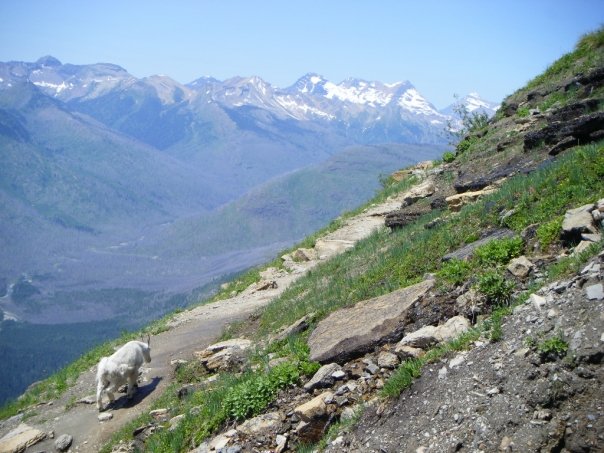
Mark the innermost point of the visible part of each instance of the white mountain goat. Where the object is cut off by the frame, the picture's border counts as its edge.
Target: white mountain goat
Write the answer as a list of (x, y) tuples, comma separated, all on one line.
[(122, 367)]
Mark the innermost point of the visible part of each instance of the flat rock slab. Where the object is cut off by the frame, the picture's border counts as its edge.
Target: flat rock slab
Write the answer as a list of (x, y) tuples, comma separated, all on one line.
[(350, 332), (20, 438), (467, 250)]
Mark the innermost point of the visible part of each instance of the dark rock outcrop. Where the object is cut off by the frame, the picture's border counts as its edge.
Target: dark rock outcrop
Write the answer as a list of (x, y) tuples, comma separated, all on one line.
[(561, 136), (398, 219)]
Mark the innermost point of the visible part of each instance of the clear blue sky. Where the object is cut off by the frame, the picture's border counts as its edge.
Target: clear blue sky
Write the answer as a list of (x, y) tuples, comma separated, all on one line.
[(442, 47)]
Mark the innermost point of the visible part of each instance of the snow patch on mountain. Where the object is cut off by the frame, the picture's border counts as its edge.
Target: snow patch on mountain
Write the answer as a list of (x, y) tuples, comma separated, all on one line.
[(54, 86), (364, 93), (301, 111), (414, 102)]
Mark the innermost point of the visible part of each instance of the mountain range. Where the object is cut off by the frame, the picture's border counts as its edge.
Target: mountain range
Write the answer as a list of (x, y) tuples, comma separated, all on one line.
[(113, 181)]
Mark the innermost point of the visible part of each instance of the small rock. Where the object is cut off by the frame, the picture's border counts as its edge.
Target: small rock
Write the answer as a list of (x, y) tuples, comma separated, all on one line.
[(493, 391), (63, 442), (422, 338), (233, 449), (506, 444), (520, 267), (583, 246), (553, 313), (591, 237), (422, 190), (160, 414), (457, 360), (219, 442), (299, 326), (456, 202), (595, 292), (178, 362), (542, 414), (339, 374), (303, 254), (105, 416), (538, 301), (337, 441), (175, 421), (323, 377), (348, 413), (408, 352), (372, 368), (583, 372), (388, 360), (591, 268), (313, 408), (281, 442), (263, 285), (453, 328), (90, 399), (442, 373), (471, 302), (262, 424)]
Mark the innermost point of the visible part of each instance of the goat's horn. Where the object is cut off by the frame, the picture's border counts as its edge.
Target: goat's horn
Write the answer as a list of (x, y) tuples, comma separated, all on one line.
[(148, 339)]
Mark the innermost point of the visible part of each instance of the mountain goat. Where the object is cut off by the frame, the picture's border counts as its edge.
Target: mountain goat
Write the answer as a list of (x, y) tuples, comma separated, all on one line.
[(122, 367)]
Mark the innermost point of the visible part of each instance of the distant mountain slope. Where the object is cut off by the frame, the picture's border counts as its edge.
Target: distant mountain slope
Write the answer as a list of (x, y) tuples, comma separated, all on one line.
[(289, 207), (110, 181)]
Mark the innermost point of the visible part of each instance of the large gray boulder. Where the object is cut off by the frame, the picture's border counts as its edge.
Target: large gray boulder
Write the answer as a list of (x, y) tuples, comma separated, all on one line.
[(351, 332)]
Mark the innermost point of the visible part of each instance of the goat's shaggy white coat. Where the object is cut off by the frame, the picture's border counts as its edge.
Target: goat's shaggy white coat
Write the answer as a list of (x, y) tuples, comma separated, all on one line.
[(122, 367)]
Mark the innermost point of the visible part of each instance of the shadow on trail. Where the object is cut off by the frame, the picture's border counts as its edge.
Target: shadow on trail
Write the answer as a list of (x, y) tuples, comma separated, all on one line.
[(141, 393)]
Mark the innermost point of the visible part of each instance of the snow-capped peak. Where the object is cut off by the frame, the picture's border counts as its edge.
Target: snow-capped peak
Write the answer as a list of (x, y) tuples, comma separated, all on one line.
[(309, 83), (358, 91), (413, 101), (473, 102)]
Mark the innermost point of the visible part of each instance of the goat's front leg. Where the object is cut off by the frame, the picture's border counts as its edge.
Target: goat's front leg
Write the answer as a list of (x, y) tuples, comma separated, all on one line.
[(132, 378), (99, 394)]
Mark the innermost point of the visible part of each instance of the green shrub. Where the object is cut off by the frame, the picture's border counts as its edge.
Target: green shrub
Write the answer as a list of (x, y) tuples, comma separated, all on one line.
[(251, 396), (448, 157), (549, 232), (495, 324), (495, 287), (499, 251), (523, 112), (555, 346), (465, 144), (455, 271)]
